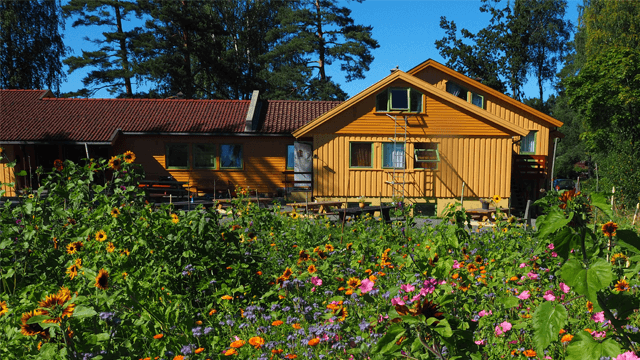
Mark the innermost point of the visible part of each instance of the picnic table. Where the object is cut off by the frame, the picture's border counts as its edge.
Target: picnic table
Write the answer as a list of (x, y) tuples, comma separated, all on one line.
[(160, 188), (261, 200), (480, 214), (356, 211), (319, 206)]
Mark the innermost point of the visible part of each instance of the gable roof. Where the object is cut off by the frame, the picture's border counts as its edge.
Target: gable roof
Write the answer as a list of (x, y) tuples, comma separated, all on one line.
[(34, 116), (486, 89), (428, 88)]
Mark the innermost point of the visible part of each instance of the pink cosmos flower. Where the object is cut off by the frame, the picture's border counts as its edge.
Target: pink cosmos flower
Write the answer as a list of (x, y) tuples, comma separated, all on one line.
[(429, 286), (532, 275), (565, 289), (485, 313), (599, 334), (313, 289), (382, 318), (598, 317), (549, 296), (498, 330), (366, 286), (416, 298), (524, 295), (629, 355), (316, 281), (506, 326), (551, 247), (456, 264), (480, 342), (554, 254), (397, 301), (407, 288), (523, 265)]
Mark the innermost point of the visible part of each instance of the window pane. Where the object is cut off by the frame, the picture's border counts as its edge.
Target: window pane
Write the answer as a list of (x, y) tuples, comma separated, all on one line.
[(416, 101), (204, 156), (528, 143), (426, 156), (456, 90), (382, 101), (177, 155), (399, 99), (231, 156), (361, 154), (477, 100), (393, 155), (290, 156)]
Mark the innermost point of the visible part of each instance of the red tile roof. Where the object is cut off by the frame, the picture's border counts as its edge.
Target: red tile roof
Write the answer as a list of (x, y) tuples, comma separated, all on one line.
[(285, 116), (26, 116)]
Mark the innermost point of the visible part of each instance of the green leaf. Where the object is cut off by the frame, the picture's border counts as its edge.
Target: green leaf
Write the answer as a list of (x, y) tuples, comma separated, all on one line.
[(83, 312), (508, 301), (629, 240), (443, 328), (552, 222), (600, 201), (37, 319), (587, 281), (564, 241), (584, 347), (548, 319), (387, 342), (22, 173), (5, 243)]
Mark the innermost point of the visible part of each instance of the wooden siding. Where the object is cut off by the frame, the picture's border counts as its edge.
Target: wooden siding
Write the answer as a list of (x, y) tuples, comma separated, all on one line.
[(438, 118), (483, 163), (7, 174), (264, 161), (496, 107)]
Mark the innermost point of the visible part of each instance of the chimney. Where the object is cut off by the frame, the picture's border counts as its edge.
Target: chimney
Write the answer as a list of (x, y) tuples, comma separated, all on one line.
[(253, 113)]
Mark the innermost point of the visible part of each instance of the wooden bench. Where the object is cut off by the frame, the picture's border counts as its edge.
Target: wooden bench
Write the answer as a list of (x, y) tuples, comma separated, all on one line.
[(319, 207), (354, 212)]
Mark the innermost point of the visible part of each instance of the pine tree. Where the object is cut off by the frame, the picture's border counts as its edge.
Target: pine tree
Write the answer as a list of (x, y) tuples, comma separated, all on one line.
[(114, 64), (31, 46), (312, 35)]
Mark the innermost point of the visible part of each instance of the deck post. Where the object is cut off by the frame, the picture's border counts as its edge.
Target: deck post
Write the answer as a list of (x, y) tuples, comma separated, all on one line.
[(527, 216)]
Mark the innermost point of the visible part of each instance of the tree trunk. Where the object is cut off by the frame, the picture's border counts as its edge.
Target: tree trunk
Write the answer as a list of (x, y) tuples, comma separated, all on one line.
[(124, 56), (321, 50)]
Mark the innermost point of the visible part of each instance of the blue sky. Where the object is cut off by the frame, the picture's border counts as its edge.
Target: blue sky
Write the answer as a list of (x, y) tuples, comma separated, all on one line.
[(405, 30)]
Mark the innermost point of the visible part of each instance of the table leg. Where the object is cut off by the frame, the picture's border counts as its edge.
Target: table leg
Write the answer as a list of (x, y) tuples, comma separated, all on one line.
[(385, 215)]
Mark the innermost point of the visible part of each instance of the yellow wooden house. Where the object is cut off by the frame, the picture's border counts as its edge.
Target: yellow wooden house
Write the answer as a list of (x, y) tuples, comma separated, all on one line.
[(430, 135)]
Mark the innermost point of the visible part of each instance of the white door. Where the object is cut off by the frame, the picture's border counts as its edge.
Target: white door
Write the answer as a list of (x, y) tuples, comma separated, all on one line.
[(302, 162)]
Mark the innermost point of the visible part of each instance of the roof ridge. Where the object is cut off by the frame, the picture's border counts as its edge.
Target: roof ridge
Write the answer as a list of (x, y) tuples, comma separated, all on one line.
[(154, 100), (306, 101)]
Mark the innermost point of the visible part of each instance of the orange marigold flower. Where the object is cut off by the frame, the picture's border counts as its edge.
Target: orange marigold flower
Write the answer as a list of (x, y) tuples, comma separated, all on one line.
[(158, 336), (277, 351), (238, 344), (566, 338), (291, 356), (277, 323), (296, 326), (562, 331), (178, 357), (226, 297), (314, 342), (230, 352), (529, 353), (609, 229), (256, 342), (198, 350), (213, 311)]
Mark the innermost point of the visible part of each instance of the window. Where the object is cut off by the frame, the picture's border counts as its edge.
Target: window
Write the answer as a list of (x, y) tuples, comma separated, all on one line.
[(464, 94), (360, 155), (528, 143), (399, 99), (231, 156), (290, 156), (426, 156), (393, 156), (177, 156), (204, 156)]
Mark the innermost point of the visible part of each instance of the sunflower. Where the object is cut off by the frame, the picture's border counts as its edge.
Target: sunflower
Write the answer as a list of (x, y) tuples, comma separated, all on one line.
[(32, 329), (174, 218), (3, 308), (102, 280), (329, 247), (74, 247), (287, 273), (256, 341), (294, 215), (115, 212), (303, 256), (617, 256), (322, 255), (342, 314), (354, 282), (115, 163), (53, 305), (312, 269), (129, 157), (472, 267), (58, 164), (496, 198), (566, 197), (72, 271), (478, 259), (464, 287), (622, 285), (101, 235), (110, 247), (589, 306), (78, 262), (609, 229)]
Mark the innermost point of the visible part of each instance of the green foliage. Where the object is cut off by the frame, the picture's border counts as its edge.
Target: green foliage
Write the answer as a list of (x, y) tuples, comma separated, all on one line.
[(584, 347), (548, 320), (31, 45)]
